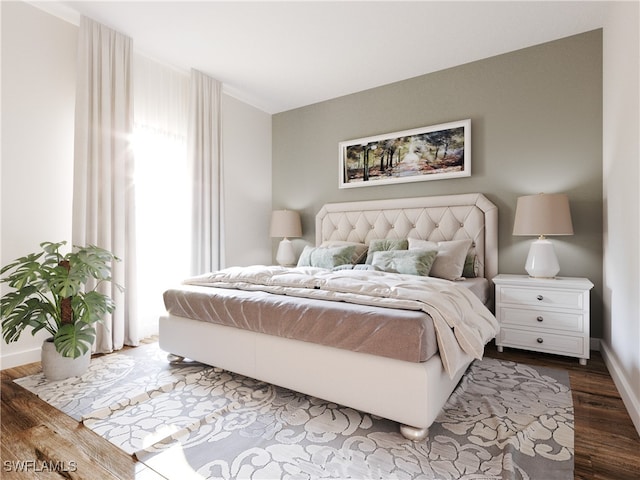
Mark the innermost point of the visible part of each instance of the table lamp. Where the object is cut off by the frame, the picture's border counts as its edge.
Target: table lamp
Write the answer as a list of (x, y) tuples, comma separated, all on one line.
[(286, 224), (543, 215)]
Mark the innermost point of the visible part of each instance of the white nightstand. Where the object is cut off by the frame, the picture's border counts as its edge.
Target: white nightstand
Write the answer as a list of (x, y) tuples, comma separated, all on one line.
[(544, 315)]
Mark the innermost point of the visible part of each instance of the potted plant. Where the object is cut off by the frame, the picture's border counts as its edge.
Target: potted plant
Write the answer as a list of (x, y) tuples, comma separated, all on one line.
[(49, 292)]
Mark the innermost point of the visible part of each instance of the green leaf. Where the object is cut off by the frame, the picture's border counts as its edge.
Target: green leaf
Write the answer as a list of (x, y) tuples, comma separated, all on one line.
[(14, 298), (64, 284), (92, 262), (22, 260), (26, 270), (32, 312), (74, 340), (52, 250), (92, 306)]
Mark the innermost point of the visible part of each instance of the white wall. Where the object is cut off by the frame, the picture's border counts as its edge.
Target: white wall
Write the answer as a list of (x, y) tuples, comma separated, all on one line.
[(621, 158), (38, 95), (246, 143)]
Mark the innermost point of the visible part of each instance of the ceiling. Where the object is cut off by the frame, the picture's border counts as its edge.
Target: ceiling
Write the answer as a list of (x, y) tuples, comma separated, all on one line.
[(278, 56)]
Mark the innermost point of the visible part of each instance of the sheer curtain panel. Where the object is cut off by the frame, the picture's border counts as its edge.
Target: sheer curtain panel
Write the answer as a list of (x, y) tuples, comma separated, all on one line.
[(204, 150), (163, 199), (103, 187)]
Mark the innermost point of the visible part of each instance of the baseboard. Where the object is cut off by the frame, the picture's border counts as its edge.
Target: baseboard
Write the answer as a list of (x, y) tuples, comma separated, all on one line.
[(20, 358), (631, 402)]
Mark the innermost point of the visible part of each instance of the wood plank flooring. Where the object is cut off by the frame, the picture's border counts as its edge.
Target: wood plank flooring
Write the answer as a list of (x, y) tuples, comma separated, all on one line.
[(37, 439), (607, 445)]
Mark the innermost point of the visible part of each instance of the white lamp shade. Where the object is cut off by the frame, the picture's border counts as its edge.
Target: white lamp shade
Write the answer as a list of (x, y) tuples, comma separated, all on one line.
[(542, 215), (285, 223)]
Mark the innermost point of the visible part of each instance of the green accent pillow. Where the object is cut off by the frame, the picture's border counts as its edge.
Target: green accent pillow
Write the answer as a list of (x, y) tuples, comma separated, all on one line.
[(360, 249), (384, 245), (412, 262), (470, 269), (326, 257)]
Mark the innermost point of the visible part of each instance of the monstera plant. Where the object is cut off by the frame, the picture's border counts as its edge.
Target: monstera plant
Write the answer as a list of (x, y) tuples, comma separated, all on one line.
[(57, 293)]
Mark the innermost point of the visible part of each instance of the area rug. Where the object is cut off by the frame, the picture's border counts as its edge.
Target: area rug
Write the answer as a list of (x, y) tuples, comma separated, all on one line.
[(504, 421)]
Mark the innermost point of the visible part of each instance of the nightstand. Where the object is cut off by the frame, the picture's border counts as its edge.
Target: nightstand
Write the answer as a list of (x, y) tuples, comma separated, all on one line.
[(544, 315)]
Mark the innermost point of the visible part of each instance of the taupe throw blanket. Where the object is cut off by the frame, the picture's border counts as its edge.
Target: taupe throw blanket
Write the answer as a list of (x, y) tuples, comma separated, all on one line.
[(463, 324)]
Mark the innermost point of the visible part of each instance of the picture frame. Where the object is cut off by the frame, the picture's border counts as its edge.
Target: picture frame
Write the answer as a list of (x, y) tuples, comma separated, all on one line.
[(435, 152)]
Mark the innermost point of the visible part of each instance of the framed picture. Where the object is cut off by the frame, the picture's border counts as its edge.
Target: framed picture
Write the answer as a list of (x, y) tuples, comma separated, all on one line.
[(429, 153)]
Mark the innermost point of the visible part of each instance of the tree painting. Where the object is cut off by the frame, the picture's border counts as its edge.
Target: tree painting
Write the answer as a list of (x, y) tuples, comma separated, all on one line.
[(441, 151)]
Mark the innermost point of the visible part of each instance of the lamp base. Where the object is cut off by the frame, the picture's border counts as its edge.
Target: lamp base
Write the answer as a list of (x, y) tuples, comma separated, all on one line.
[(542, 261), (285, 255)]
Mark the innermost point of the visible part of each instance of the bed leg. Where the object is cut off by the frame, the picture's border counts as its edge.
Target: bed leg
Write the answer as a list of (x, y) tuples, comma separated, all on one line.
[(174, 359), (413, 433)]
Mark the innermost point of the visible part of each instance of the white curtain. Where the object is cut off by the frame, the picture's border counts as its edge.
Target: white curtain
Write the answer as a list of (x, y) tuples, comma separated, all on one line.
[(204, 147), (103, 187), (163, 200)]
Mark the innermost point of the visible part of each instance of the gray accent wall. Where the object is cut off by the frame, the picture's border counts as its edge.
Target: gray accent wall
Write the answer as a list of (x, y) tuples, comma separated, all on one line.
[(536, 126)]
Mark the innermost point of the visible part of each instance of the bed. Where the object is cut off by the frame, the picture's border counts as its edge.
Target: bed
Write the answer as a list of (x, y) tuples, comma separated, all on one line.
[(410, 390)]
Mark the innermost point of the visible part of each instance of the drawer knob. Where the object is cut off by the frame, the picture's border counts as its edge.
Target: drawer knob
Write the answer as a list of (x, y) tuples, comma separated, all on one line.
[(539, 340), (539, 318), (539, 297)]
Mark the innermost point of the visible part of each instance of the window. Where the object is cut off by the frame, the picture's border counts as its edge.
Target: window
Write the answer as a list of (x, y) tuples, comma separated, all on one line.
[(162, 185)]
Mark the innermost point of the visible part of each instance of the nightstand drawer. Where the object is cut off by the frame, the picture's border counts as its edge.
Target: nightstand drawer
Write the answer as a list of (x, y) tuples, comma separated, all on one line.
[(541, 297), (544, 342), (544, 319)]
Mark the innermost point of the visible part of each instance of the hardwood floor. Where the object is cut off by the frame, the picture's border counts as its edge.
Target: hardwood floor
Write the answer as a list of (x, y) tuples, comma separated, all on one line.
[(36, 437), (606, 442)]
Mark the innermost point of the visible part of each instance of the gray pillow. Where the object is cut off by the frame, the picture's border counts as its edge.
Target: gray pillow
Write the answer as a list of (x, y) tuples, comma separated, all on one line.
[(412, 262)]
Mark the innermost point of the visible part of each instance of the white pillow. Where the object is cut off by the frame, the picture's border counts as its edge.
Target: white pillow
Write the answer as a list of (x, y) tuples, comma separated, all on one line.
[(449, 262)]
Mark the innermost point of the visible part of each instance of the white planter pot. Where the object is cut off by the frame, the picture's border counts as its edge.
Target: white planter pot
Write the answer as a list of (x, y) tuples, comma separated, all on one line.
[(57, 367)]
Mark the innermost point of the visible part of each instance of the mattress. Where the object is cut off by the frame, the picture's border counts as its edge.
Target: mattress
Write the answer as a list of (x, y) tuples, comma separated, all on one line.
[(407, 335), (479, 286)]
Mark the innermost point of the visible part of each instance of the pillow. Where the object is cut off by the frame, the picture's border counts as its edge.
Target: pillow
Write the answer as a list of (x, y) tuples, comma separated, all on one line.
[(412, 262), (470, 269), (360, 251), (451, 257), (358, 266), (325, 257), (383, 245)]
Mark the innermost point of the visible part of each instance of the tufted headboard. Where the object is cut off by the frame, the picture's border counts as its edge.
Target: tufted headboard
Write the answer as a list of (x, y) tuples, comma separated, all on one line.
[(438, 218)]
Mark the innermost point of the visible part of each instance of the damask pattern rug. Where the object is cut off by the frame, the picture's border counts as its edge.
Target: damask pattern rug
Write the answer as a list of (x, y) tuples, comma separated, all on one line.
[(504, 421)]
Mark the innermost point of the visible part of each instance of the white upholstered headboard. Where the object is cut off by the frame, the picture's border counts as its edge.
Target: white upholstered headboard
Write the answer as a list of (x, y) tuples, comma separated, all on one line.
[(438, 218)]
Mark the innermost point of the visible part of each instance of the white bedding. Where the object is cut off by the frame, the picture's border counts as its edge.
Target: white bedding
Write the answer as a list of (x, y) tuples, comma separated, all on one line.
[(463, 324)]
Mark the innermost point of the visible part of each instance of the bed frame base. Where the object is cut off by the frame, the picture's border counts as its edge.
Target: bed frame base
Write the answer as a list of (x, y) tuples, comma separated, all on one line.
[(410, 433), (411, 394), (414, 434)]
